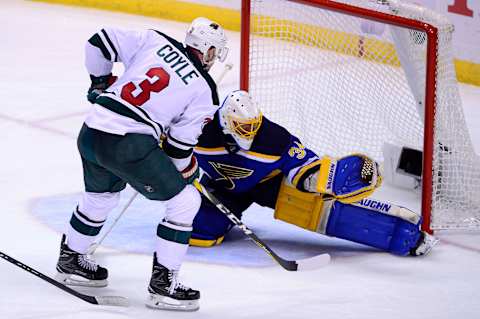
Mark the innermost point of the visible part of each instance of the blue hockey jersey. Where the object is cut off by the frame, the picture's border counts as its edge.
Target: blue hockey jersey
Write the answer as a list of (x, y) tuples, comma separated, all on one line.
[(274, 151)]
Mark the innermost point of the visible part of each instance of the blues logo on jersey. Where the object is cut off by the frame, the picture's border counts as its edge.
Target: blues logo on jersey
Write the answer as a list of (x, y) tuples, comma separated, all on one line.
[(228, 173)]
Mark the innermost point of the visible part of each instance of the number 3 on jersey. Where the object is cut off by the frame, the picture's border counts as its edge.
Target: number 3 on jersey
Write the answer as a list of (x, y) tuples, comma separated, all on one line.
[(157, 79), (297, 151)]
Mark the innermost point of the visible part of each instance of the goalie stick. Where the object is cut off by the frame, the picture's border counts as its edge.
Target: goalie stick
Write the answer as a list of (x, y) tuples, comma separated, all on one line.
[(290, 265), (96, 300)]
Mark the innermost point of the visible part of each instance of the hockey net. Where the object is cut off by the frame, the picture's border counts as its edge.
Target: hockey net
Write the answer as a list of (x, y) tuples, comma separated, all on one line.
[(351, 75)]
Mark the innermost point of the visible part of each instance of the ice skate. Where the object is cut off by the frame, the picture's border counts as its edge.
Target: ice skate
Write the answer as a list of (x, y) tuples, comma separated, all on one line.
[(166, 293), (79, 269), (424, 245)]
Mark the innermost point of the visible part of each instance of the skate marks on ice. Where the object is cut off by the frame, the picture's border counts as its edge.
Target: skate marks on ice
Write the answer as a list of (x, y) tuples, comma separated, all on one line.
[(135, 232)]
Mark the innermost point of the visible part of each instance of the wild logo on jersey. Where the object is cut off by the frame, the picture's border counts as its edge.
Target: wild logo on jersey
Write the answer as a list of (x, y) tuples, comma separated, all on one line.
[(228, 173)]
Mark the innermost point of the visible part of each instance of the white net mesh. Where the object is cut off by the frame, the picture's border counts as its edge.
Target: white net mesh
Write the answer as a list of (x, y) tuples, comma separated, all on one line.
[(346, 84)]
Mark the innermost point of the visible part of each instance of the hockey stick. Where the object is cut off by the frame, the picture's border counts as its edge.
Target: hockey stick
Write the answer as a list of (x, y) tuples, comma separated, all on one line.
[(95, 245), (227, 67), (96, 300), (290, 265)]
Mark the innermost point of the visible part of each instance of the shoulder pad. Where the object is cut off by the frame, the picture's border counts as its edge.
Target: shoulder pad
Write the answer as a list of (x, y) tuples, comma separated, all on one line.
[(212, 135), (271, 139)]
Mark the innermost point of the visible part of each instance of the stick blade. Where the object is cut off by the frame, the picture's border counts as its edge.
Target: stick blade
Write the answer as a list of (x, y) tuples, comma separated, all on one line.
[(313, 262), (112, 301)]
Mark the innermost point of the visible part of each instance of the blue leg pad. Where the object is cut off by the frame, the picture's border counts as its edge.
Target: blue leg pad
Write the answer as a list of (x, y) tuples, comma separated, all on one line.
[(210, 223), (372, 228)]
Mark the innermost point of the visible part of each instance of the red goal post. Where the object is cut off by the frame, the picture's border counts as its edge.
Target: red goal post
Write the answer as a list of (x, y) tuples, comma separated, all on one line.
[(270, 28)]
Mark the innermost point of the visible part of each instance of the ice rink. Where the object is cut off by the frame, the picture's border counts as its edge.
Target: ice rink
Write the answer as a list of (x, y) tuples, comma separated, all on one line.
[(43, 90)]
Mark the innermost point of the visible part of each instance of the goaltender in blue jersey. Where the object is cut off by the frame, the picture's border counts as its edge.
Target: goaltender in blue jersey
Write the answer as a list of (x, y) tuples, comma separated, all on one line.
[(246, 158)]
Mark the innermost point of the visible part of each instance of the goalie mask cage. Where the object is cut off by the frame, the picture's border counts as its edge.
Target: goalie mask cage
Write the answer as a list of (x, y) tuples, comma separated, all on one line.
[(348, 76)]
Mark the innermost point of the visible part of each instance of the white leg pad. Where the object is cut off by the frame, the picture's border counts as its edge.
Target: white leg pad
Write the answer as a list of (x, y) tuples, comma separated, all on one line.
[(389, 209)]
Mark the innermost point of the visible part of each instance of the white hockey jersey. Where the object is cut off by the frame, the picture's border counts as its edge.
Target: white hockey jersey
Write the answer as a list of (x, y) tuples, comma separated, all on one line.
[(160, 92)]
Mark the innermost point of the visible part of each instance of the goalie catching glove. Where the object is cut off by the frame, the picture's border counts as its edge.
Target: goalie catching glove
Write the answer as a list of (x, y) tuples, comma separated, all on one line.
[(348, 179)]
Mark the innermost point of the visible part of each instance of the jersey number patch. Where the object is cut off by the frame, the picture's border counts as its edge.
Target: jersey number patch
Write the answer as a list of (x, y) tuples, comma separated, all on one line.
[(157, 79), (297, 151)]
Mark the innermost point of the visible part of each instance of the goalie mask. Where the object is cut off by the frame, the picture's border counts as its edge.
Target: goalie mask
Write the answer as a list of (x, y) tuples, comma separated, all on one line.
[(209, 38), (240, 117)]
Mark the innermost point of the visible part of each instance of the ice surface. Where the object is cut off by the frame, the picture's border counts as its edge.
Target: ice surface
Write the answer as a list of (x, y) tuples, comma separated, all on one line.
[(43, 103)]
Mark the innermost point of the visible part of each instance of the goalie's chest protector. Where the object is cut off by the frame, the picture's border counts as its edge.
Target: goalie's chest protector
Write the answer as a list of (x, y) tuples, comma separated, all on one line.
[(241, 171)]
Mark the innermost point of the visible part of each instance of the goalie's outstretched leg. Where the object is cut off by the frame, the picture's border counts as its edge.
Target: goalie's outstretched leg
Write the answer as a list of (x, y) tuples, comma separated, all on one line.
[(371, 222), (378, 224)]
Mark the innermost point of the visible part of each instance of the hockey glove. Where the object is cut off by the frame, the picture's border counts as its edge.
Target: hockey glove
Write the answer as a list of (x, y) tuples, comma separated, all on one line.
[(191, 172), (99, 85), (349, 179)]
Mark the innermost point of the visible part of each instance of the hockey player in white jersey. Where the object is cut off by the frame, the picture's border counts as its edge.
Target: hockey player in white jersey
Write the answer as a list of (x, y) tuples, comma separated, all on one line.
[(164, 90)]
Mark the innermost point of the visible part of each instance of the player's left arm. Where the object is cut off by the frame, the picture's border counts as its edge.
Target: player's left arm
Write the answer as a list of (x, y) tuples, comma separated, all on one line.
[(111, 45), (102, 50)]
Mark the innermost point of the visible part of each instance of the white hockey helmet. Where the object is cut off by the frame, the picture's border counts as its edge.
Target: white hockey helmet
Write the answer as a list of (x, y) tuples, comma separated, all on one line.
[(240, 117), (203, 34)]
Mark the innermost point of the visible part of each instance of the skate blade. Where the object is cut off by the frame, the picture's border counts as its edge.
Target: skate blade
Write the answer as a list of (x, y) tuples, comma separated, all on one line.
[(428, 245), (75, 280), (166, 303)]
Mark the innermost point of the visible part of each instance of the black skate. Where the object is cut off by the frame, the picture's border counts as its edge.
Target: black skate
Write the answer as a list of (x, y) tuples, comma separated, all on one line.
[(167, 293), (79, 270)]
